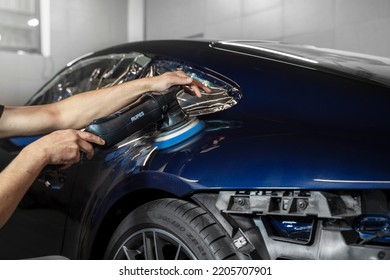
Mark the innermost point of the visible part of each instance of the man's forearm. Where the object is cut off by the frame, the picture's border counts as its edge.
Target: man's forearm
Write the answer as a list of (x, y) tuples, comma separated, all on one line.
[(77, 111), (16, 179), (74, 112)]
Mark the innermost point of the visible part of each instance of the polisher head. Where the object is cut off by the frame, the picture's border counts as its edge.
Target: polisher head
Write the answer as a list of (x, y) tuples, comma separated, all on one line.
[(180, 133)]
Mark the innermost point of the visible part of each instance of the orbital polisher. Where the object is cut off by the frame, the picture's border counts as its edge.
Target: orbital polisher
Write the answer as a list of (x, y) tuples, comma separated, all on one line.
[(150, 108)]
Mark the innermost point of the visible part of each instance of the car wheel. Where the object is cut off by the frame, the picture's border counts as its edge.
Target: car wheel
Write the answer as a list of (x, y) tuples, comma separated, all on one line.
[(169, 229)]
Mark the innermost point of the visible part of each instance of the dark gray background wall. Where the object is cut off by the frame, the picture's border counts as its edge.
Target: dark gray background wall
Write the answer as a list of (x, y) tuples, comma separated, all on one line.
[(79, 27)]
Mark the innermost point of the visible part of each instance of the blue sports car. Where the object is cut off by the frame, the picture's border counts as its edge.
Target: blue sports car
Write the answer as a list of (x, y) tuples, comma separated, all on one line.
[(287, 158)]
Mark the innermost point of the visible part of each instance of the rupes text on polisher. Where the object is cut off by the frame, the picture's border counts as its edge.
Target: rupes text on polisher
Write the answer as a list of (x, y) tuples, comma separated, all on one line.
[(137, 116)]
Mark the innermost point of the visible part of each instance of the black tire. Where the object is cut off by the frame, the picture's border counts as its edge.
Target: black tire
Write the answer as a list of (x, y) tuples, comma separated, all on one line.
[(170, 229)]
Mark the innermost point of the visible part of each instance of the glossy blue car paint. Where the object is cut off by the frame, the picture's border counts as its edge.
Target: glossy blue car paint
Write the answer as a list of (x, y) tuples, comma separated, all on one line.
[(299, 126), (279, 159)]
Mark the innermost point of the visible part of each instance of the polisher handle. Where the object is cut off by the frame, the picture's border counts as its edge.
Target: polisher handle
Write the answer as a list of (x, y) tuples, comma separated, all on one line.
[(148, 109)]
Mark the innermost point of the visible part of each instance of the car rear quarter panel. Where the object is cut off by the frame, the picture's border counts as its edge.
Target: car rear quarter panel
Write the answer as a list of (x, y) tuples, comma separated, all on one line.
[(300, 127)]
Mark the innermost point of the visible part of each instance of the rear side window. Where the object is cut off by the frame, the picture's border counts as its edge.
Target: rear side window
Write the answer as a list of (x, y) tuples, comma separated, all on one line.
[(90, 74)]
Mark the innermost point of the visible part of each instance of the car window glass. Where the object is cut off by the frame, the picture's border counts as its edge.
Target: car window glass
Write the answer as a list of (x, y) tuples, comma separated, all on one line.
[(90, 74)]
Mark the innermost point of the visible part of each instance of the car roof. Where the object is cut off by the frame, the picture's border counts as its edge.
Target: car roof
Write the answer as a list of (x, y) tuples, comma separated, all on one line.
[(362, 66)]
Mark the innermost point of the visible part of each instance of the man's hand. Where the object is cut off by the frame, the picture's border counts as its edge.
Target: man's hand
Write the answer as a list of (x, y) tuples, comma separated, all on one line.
[(168, 79), (63, 147)]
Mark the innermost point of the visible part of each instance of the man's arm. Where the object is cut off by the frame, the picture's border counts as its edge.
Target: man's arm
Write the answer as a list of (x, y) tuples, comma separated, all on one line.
[(79, 110), (15, 180), (60, 148)]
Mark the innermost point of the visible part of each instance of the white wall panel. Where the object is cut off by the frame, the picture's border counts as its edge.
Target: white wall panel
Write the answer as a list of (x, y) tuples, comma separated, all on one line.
[(253, 6), (354, 11), (174, 19), (135, 20), (359, 25), (302, 16), (267, 25), (77, 27), (217, 11), (230, 28)]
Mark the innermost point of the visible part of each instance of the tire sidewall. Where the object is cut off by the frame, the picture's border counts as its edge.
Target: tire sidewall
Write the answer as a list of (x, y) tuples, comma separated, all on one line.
[(150, 216)]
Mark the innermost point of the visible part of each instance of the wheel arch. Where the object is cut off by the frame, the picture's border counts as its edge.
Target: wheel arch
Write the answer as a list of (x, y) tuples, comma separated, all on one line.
[(106, 204), (118, 212)]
